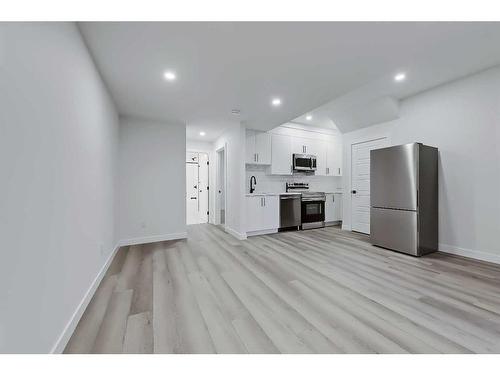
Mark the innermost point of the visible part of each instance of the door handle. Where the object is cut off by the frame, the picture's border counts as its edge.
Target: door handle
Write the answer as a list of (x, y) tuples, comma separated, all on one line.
[(193, 197)]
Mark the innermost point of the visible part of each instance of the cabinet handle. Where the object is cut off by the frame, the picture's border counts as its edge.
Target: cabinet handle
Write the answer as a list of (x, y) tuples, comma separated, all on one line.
[(264, 201), (327, 170), (333, 197), (339, 171), (257, 158)]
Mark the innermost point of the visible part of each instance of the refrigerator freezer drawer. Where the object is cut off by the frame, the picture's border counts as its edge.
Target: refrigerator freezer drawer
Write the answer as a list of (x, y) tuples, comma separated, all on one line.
[(395, 230)]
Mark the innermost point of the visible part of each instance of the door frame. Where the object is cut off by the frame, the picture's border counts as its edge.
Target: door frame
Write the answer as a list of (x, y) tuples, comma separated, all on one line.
[(208, 182), (217, 183), (373, 134)]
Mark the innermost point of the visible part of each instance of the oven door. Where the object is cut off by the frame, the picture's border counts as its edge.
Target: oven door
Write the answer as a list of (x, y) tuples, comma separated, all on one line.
[(313, 211), (301, 162)]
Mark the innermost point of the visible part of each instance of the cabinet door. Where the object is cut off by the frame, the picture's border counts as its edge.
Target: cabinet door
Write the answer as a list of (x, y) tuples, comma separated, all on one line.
[(263, 147), (337, 207), (281, 154), (251, 156), (330, 208), (254, 214), (271, 212), (318, 148), (337, 167), (334, 158), (298, 145)]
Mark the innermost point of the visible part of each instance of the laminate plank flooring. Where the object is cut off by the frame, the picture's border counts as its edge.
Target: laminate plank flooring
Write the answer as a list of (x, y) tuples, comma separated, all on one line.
[(317, 291)]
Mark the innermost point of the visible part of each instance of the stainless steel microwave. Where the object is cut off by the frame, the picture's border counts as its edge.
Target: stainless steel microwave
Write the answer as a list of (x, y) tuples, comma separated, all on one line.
[(304, 162)]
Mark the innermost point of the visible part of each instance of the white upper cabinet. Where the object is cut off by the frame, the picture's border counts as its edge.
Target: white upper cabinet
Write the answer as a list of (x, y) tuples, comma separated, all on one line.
[(318, 149), (281, 154), (302, 145), (276, 149), (258, 147), (334, 158), (263, 147)]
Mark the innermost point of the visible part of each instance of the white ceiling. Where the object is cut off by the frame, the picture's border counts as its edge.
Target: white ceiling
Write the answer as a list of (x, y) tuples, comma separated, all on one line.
[(342, 68)]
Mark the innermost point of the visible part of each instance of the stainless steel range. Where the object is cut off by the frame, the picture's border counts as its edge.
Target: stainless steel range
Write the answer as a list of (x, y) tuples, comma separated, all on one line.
[(312, 205)]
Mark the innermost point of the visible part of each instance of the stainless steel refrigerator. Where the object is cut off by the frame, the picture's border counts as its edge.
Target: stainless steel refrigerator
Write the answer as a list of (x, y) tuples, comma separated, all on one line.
[(404, 198)]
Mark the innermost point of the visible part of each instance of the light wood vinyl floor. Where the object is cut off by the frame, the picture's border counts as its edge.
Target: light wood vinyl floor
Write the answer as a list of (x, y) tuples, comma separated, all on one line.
[(316, 291)]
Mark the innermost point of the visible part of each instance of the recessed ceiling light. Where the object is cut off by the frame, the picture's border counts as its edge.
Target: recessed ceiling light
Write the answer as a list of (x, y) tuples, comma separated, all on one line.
[(169, 75), (309, 117), (276, 102), (400, 77), (202, 133)]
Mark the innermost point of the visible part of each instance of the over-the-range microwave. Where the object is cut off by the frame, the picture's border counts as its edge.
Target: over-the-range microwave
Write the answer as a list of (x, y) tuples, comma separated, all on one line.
[(304, 162)]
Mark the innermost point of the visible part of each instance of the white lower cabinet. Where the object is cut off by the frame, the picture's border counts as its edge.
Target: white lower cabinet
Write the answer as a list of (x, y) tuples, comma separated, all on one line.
[(263, 213), (333, 207)]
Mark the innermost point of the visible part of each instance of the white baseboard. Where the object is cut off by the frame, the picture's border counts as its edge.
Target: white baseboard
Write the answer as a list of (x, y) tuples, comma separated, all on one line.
[(259, 232), (63, 339), (475, 254), (150, 239), (234, 233)]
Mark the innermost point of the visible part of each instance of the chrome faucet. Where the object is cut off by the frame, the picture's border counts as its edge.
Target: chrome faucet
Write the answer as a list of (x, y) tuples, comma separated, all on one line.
[(252, 179)]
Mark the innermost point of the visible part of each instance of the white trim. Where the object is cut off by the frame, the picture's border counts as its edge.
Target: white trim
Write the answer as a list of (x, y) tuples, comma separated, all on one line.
[(149, 239), (469, 253), (217, 183), (234, 233), (70, 327), (264, 231)]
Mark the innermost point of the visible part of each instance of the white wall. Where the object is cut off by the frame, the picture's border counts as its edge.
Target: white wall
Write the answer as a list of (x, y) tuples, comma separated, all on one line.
[(462, 119), (234, 140), (151, 185), (58, 136)]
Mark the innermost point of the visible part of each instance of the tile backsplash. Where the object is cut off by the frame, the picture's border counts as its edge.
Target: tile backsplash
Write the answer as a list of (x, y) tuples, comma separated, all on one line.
[(276, 184)]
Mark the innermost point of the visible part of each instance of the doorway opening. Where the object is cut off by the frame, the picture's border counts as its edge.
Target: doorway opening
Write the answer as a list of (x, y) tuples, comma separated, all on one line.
[(220, 200), (197, 188)]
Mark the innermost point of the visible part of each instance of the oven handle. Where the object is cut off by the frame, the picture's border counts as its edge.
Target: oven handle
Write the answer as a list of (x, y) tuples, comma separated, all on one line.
[(312, 200)]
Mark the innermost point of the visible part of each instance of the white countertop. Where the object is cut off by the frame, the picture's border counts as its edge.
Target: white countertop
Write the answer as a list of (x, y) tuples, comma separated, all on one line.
[(267, 194), (271, 194)]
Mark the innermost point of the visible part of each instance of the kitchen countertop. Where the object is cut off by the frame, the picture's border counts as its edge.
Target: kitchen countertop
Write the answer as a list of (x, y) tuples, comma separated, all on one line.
[(268, 194), (289, 193)]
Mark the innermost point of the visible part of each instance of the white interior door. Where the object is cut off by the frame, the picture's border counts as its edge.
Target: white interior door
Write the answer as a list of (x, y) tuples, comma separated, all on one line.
[(220, 213), (192, 216), (360, 183), (203, 188)]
